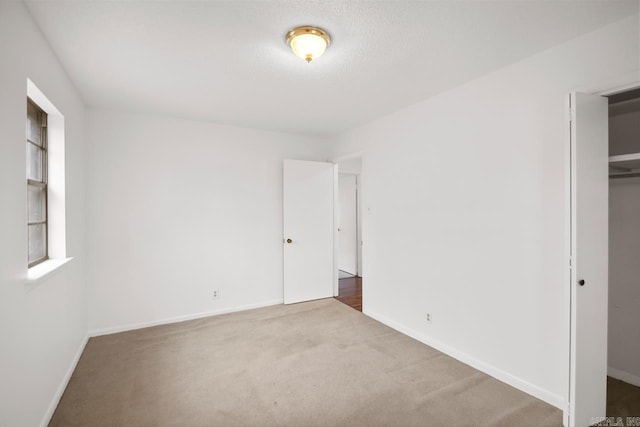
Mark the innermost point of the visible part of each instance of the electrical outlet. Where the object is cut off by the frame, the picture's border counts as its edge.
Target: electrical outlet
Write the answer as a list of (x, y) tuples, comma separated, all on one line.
[(428, 317), (216, 294)]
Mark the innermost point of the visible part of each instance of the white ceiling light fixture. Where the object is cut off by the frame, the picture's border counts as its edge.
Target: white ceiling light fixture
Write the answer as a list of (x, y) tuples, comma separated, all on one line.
[(308, 42)]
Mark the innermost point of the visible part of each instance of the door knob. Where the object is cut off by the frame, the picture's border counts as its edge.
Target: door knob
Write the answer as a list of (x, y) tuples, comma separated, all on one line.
[(289, 241), (581, 282)]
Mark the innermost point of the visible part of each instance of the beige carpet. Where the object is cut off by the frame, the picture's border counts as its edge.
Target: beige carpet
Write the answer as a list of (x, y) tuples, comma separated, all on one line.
[(312, 364)]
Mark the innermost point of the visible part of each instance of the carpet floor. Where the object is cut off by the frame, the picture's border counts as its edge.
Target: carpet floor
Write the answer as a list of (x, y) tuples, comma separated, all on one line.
[(319, 363)]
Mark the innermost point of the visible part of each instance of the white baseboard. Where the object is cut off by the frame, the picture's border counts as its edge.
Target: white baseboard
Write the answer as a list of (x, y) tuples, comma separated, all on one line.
[(63, 385), (624, 376), (520, 384), (133, 326)]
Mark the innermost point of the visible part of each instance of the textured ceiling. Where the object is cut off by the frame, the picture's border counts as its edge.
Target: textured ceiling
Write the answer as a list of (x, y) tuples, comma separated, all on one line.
[(227, 62)]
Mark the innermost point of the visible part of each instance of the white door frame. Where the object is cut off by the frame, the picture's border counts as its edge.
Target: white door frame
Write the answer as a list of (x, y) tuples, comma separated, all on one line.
[(612, 90), (360, 218)]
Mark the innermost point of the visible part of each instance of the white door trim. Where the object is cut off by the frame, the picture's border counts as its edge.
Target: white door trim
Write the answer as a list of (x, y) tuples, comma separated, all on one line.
[(336, 243), (619, 89)]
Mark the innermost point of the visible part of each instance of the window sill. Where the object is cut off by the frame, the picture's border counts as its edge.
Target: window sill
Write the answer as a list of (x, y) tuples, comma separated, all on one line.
[(45, 269)]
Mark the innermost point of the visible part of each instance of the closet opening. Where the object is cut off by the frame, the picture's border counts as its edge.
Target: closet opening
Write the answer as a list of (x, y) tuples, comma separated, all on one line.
[(349, 229), (623, 381)]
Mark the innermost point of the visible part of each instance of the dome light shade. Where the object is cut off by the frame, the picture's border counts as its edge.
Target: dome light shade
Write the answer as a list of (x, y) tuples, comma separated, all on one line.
[(308, 42)]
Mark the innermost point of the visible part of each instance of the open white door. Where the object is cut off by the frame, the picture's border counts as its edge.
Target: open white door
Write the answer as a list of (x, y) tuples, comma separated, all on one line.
[(589, 258), (308, 230)]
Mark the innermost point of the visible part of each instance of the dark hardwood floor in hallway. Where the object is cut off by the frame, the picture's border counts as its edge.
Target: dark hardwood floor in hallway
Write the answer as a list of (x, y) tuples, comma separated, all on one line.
[(350, 292)]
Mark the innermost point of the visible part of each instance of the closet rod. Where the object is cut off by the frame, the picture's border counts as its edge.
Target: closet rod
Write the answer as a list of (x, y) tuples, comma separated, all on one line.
[(625, 175)]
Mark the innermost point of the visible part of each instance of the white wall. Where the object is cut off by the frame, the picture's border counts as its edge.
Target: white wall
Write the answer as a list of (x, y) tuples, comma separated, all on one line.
[(347, 224), (43, 325), (624, 279), (465, 207), (352, 165), (179, 208)]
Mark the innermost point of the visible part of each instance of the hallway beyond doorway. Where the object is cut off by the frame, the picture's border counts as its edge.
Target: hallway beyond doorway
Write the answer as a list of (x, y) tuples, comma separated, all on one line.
[(350, 292)]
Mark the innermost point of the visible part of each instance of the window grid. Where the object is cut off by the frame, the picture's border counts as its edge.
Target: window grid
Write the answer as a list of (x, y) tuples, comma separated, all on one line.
[(36, 170)]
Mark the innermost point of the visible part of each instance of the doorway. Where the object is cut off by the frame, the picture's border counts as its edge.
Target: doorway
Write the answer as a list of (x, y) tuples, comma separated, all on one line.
[(623, 355), (347, 225), (594, 176), (349, 231)]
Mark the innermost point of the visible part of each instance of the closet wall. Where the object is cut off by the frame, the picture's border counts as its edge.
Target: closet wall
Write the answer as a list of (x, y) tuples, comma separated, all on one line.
[(624, 248)]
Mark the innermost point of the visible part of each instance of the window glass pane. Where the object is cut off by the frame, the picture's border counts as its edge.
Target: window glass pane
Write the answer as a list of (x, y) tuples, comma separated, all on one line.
[(37, 242), (36, 203), (34, 129), (34, 162)]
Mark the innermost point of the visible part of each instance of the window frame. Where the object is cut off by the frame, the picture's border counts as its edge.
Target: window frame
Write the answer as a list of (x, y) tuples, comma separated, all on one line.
[(42, 185)]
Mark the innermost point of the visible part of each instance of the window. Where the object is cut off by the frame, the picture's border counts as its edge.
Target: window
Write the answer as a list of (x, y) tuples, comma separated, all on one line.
[(45, 169), (37, 173)]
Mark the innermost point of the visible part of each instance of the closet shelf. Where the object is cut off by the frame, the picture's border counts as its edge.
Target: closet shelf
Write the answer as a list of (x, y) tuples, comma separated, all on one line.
[(624, 164)]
